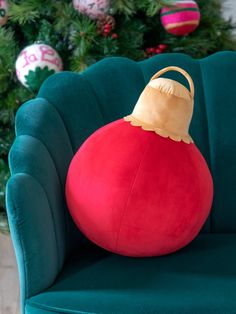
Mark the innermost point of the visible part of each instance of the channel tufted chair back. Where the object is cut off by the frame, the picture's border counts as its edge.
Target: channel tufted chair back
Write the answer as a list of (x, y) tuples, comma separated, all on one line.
[(70, 107)]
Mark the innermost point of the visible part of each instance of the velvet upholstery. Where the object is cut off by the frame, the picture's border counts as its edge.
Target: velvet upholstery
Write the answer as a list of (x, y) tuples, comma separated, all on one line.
[(193, 280), (50, 129)]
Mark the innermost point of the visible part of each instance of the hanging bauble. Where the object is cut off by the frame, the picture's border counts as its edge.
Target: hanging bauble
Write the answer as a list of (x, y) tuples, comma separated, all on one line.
[(139, 186), (182, 18), (35, 63), (95, 9), (3, 12)]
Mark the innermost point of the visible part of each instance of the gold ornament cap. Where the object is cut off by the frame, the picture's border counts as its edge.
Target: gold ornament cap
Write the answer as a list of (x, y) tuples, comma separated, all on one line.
[(165, 107)]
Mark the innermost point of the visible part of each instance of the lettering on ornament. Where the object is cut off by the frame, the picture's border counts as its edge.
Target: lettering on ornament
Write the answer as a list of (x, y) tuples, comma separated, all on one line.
[(91, 5), (47, 55), (24, 54), (100, 4)]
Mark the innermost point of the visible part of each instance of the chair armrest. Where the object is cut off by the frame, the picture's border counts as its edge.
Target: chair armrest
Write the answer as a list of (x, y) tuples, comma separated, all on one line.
[(41, 228), (33, 234)]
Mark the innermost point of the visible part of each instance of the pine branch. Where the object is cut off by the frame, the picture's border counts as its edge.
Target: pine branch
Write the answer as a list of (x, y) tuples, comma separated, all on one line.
[(132, 33), (8, 46), (123, 7), (24, 12), (29, 11), (7, 58), (64, 14), (82, 35), (153, 7)]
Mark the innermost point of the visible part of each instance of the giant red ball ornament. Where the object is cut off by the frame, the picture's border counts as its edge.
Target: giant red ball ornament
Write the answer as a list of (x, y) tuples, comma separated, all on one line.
[(139, 186)]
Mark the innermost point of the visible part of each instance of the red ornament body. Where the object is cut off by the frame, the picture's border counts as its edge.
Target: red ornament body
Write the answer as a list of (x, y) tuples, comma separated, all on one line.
[(139, 190)]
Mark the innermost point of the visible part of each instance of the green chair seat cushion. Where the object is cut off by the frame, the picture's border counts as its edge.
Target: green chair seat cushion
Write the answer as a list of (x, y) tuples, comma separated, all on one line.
[(201, 278)]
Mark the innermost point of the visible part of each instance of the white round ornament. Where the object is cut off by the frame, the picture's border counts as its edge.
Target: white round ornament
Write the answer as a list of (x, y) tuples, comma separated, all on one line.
[(35, 63), (3, 12), (95, 9)]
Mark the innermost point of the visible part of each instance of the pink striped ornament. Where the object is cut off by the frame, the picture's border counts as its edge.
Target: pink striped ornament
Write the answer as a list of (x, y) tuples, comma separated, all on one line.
[(182, 18)]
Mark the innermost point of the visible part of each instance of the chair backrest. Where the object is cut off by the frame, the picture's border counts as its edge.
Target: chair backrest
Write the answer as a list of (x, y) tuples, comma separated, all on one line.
[(68, 108), (109, 89)]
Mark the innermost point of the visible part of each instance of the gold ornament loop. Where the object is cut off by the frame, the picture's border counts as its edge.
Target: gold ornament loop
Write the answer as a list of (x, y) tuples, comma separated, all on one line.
[(177, 69)]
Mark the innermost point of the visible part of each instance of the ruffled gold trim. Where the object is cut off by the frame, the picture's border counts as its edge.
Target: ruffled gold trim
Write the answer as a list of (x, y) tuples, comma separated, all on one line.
[(164, 133)]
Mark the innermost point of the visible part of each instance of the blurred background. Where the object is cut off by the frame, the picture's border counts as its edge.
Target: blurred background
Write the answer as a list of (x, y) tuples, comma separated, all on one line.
[(39, 38), (229, 11)]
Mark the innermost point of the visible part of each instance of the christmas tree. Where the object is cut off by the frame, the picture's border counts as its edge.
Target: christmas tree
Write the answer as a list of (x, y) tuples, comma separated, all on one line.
[(83, 32)]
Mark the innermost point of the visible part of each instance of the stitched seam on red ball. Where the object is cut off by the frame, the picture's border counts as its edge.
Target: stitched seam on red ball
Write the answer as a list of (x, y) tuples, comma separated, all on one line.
[(130, 192)]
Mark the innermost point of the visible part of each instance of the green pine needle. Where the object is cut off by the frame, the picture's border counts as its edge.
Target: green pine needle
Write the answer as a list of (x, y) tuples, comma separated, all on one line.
[(24, 12)]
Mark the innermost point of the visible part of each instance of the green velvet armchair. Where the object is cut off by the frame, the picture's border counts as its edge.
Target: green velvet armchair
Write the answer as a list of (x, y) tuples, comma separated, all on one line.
[(62, 272)]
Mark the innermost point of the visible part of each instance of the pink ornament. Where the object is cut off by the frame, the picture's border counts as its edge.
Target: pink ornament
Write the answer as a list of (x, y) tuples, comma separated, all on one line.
[(37, 60), (182, 18), (95, 9)]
